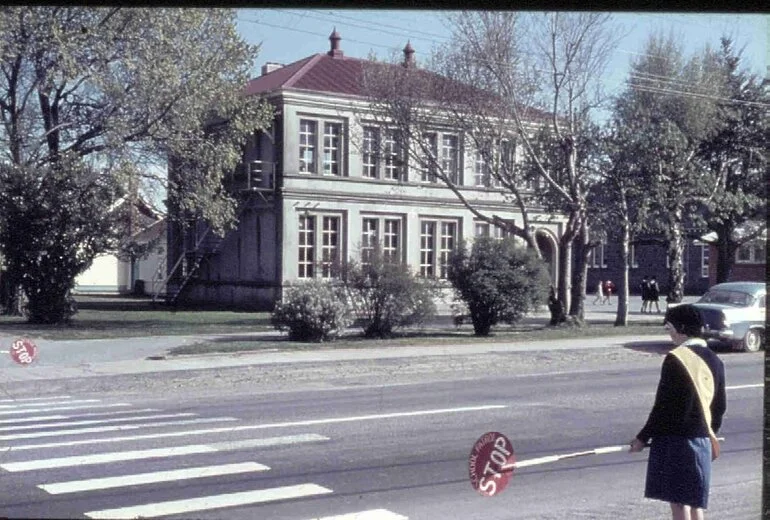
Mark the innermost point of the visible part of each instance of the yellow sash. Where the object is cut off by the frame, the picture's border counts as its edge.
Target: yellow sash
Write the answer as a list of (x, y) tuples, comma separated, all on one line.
[(703, 381)]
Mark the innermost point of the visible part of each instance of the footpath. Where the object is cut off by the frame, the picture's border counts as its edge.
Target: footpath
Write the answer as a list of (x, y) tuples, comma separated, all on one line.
[(68, 359)]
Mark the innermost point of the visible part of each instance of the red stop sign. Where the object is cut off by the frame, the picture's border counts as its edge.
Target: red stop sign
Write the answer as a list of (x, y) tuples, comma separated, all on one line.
[(23, 351), (486, 464)]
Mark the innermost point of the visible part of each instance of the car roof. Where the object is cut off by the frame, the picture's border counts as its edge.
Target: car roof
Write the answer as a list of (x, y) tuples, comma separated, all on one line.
[(748, 287)]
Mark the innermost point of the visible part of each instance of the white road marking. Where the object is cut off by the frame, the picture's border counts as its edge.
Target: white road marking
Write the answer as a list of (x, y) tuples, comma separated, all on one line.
[(59, 408), (51, 403), (77, 486), (191, 449), (190, 505), (230, 429), (16, 420), (97, 421), (121, 427), (25, 399), (372, 514), (741, 387)]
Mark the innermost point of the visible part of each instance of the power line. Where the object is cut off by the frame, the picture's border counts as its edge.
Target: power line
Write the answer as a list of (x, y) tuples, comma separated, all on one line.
[(658, 90)]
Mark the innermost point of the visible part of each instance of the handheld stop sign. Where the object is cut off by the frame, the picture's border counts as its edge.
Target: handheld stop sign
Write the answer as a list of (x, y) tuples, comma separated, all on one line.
[(492, 461), (23, 351)]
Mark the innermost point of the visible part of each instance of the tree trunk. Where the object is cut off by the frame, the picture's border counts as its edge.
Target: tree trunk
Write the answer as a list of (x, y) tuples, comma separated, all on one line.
[(621, 317), (675, 253), (580, 274), (565, 272), (725, 255)]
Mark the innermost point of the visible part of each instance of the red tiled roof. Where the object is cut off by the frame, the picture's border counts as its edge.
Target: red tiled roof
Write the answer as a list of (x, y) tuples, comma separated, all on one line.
[(343, 75), (319, 72)]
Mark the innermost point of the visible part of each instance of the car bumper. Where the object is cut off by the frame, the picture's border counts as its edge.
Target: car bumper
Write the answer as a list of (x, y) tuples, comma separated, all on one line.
[(724, 334)]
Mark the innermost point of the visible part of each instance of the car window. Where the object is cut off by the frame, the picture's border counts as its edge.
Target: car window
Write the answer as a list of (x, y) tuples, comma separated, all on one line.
[(734, 298), (762, 300)]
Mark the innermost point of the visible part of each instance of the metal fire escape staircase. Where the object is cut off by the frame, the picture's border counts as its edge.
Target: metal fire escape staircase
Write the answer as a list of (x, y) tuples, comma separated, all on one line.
[(257, 187)]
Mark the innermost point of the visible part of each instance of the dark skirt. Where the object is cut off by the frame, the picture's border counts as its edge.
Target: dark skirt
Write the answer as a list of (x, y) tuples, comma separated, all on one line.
[(679, 470)]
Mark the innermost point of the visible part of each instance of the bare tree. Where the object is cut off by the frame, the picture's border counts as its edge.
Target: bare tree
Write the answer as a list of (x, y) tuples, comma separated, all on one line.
[(504, 77)]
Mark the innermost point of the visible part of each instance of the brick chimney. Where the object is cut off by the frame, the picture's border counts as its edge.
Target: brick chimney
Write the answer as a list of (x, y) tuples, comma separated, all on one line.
[(334, 38), (408, 55), (270, 66)]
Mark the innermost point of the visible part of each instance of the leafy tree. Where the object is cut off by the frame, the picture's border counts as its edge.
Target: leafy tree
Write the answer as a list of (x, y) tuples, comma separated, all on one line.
[(123, 91), (667, 127), (54, 223), (386, 295), (498, 281), (736, 154)]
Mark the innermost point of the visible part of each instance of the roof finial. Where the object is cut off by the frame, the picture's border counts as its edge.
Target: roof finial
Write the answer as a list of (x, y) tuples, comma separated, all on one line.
[(408, 54), (335, 50)]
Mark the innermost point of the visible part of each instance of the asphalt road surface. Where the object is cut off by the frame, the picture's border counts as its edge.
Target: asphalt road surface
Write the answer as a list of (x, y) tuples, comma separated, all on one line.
[(368, 448)]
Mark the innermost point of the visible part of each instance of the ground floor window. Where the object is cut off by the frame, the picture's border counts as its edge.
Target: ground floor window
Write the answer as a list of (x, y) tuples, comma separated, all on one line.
[(319, 254), (437, 240), (382, 231)]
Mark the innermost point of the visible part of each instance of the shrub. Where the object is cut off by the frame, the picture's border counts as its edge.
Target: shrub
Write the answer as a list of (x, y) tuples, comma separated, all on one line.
[(386, 295), (312, 311), (498, 281)]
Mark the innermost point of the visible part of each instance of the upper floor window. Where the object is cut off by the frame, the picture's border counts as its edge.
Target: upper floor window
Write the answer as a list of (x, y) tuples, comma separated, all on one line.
[(371, 156), (440, 150), (332, 148), (326, 137), (394, 156), (428, 158), (308, 137), (482, 174), (450, 158), (484, 229)]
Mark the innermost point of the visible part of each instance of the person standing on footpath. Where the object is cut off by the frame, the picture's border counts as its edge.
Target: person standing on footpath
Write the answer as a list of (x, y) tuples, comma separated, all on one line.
[(608, 288), (599, 293), (689, 405), (645, 289), (654, 295)]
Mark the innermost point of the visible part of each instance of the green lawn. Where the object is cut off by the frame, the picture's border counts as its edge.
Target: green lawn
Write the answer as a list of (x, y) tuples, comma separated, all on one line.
[(99, 318), (416, 338)]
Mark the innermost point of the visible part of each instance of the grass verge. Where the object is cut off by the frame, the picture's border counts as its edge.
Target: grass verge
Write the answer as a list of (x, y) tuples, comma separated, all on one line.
[(436, 338)]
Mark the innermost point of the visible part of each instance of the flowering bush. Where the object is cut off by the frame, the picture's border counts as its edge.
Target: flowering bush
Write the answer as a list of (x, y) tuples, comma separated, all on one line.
[(312, 311)]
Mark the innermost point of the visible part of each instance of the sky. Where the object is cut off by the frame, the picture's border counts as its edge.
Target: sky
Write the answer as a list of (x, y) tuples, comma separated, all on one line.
[(289, 34)]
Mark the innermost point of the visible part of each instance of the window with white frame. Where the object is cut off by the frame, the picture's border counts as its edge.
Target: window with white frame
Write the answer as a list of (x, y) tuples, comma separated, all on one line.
[(481, 229), (437, 240), (704, 260), (319, 254), (632, 256), (371, 156), (325, 139), (428, 158), (307, 146), (382, 231), (306, 253), (450, 163), (484, 229), (754, 252), (482, 174), (596, 256), (332, 148), (394, 156)]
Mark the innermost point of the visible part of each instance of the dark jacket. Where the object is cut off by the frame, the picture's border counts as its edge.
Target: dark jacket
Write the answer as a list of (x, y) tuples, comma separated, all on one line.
[(677, 408)]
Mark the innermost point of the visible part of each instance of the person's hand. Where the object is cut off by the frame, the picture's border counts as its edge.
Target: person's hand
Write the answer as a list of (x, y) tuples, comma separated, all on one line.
[(636, 446)]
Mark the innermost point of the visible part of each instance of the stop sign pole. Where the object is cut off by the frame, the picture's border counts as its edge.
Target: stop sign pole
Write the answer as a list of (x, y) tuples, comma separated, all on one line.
[(492, 461)]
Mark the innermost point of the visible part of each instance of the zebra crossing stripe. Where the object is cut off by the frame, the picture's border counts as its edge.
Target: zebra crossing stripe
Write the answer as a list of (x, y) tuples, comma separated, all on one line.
[(95, 421), (175, 451), (372, 514), (27, 399), (77, 486), (60, 408), (190, 505), (36, 418), (121, 427), (53, 403)]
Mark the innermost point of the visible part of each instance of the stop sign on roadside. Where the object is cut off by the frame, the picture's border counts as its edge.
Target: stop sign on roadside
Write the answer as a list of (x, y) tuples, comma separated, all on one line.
[(23, 351), (490, 463)]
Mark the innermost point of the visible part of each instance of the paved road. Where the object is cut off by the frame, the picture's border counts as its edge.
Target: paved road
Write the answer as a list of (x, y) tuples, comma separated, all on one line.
[(395, 450)]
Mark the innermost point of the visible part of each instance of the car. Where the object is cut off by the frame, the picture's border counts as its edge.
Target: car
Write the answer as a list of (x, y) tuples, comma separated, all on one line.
[(734, 313)]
